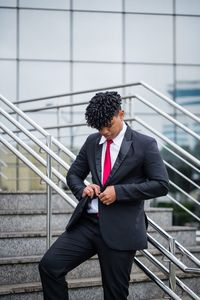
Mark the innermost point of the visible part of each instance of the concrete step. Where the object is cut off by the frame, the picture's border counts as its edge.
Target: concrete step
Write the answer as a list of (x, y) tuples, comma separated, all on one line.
[(32, 200), (35, 219), (141, 288), (14, 270), (34, 242), (161, 216), (184, 235), (36, 200), (31, 220)]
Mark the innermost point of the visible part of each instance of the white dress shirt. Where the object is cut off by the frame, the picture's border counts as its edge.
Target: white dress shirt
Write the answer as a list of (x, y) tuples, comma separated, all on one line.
[(114, 151)]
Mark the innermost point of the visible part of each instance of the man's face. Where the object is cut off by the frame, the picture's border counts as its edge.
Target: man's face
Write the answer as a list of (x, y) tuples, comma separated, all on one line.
[(115, 126)]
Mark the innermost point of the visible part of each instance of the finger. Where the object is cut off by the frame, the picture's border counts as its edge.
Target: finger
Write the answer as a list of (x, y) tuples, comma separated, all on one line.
[(101, 196), (97, 190), (89, 192), (105, 199)]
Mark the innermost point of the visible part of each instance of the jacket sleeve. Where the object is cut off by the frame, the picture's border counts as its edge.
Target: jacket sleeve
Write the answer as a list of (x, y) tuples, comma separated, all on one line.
[(78, 172), (156, 183)]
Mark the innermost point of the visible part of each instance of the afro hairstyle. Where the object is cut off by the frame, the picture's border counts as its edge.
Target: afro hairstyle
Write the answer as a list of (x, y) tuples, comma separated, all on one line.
[(102, 108)]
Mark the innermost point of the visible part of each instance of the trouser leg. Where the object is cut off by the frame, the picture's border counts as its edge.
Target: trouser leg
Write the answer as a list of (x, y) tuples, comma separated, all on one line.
[(69, 250), (115, 270)]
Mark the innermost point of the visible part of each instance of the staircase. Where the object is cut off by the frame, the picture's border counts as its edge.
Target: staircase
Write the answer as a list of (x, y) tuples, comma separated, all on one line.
[(24, 234), (23, 242)]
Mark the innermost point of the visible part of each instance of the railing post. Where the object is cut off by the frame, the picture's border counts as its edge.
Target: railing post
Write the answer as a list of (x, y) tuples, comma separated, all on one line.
[(49, 194), (130, 109), (58, 122), (172, 275)]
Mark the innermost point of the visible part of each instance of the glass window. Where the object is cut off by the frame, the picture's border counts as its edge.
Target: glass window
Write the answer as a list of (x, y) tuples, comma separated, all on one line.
[(188, 7), (11, 3), (8, 33), (188, 42), (97, 37), (61, 4), (149, 6), (90, 76), (8, 79), (44, 34), (161, 79), (38, 79), (149, 38), (188, 88), (111, 5)]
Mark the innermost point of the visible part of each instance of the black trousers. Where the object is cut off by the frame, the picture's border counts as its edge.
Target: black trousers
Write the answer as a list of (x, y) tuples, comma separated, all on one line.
[(74, 247)]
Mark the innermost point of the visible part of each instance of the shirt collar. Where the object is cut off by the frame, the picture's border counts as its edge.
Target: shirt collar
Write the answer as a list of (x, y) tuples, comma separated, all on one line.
[(118, 138)]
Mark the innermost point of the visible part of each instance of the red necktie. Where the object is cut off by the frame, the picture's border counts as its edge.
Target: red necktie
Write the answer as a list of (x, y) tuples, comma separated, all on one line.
[(107, 162)]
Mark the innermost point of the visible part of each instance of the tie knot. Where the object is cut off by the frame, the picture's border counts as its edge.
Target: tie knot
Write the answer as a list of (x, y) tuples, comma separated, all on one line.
[(109, 142)]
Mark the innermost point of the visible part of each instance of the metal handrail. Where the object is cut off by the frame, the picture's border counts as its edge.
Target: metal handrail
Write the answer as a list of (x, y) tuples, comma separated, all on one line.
[(34, 139), (165, 162), (127, 119), (171, 102), (155, 279), (158, 264), (60, 192), (184, 192), (67, 166), (168, 141), (180, 157), (68, 152), (167, 116), (167, 236), (49, 182), (140, 83), (171, 257), (183, 207), (41, 144), (3, 163), (38, 172), (79, 92), (32, 152), (3, 176), (58, 159), (45, 178), (181, 174), (185, 153), (36, 126)]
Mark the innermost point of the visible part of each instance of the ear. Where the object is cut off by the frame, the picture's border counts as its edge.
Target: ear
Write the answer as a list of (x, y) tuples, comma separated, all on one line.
[(121, 114)]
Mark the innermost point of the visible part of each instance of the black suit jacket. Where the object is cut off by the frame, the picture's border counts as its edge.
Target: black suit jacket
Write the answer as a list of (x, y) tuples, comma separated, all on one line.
[(138, 174)]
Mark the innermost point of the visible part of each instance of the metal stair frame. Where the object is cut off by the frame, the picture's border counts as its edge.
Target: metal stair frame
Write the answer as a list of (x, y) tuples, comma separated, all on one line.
[(50, 183)]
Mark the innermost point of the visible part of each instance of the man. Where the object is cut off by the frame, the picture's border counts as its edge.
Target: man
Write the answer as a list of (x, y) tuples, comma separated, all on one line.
[(109, 220)]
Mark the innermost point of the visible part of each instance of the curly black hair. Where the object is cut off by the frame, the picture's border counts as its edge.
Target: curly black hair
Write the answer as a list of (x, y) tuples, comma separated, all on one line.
[(102, 108)]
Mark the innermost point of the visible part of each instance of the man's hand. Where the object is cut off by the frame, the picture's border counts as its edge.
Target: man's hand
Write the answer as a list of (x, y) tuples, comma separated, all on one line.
[(91, 190), (108, 196)]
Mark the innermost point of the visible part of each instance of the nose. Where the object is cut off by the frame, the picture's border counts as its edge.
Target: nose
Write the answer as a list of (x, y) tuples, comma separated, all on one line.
[(104, 131)]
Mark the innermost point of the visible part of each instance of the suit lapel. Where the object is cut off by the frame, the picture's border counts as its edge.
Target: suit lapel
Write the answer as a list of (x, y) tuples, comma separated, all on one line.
[(98, 151), (125, 146)]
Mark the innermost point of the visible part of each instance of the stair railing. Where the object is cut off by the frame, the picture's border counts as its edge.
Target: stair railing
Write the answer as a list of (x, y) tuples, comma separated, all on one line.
[(47, 180), (178, 148), (155, 132), (137, 119), (72, 203), (166, 271), (57, 158)]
